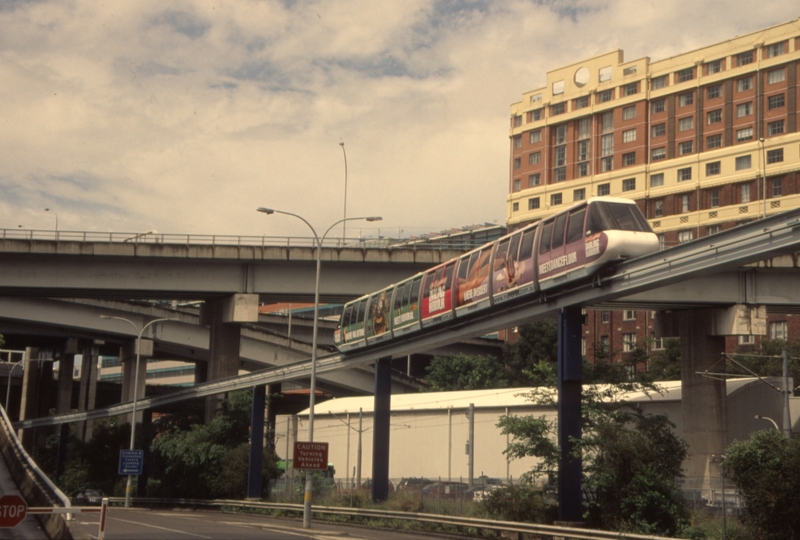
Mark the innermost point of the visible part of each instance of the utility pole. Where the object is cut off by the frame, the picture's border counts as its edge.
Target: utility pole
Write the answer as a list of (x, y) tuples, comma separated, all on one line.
[(471, 443)]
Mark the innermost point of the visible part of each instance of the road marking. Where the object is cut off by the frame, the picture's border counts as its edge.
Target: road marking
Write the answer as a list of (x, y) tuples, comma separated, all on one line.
[(162, 528)]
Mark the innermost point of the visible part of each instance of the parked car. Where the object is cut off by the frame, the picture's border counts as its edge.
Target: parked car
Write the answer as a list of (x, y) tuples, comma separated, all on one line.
[(89, 497), (367, 485), (413, 484), (452, 490)]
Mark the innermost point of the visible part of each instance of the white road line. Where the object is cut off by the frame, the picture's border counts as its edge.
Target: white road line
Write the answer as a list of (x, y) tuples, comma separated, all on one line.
[(162, 528)]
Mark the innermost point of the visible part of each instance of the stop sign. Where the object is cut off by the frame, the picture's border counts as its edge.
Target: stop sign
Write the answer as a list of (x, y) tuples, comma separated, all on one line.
[(12, 510)]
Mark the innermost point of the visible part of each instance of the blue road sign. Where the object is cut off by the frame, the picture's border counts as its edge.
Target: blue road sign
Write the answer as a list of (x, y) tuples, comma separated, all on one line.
[(130, 462)]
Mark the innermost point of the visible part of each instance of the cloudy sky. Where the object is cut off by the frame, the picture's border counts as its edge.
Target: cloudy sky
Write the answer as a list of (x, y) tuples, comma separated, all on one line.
[(184, 116)]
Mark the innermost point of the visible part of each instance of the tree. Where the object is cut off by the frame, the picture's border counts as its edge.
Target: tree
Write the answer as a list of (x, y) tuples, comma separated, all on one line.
[(631, 460), (766, 471), (464, 372), (530, 359)]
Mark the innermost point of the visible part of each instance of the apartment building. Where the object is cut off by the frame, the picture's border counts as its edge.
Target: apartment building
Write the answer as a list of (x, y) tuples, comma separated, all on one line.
[(702, 141)]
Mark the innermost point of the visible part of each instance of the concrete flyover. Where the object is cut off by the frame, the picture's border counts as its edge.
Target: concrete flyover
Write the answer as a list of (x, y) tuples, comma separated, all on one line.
[(86, 265)]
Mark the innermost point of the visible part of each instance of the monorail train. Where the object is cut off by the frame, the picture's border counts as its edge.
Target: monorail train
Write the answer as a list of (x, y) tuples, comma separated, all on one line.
[(569, 246)]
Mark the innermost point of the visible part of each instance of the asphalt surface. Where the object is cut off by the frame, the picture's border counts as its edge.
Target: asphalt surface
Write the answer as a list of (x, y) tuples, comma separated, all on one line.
[(144, 524)]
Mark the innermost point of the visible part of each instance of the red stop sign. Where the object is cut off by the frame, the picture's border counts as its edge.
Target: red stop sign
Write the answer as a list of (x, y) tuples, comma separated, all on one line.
[(12, 510)]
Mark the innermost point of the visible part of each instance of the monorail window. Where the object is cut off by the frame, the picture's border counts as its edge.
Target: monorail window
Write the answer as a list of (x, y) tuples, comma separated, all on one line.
[(346, 317), (362, 309), (547, 237), (558, 231), (527, 244), (575, 227), (513, 247), (448, 276), (401, 295), (463, 266), (415, 290), (605, 216)]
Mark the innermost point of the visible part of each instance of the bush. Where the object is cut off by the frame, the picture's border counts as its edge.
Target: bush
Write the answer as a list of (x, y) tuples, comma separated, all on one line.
[(521, 502)]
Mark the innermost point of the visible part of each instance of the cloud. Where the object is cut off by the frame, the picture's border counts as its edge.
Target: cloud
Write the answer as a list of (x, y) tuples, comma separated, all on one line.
[(184, 116)]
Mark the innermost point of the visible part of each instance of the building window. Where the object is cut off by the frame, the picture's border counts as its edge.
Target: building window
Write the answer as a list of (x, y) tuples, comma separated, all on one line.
[(658, 208), (607, 164), (714, 67), (713, 229), (579, 194), (713, 198), (535, 136), (744, 58), (560, 155), (630, 89), (713, 168), (628, 342), (555, 199), (603, 189), (518, 142), (685, 236), (684, 174), (657, 154), (582, 170), (657, 180), (517, 163), (558, 87), (745, 134), (558, 108), (715, 116), (776, 49), (658, 82), (685, 148), (559, 174), (775, 156), (747, 340), (777, 187), (744, 109), (628, 315), (714, 141), (604, 74), (582, 102), (517, 184), (515, 207), (536, 115), (561, 134), (604, 96), (714, 91), (685, 124), (744, 84), (517, 121), (583, 150), (776, 76), (607, 145), (774, 102), (534, 158), (583, 345), (779, 330), (629, 135), (534, 179), (743, 162), (605, 316), (629, 159), (533, 204), (659, 106), (584, 128), (686, 99), (686, 204), (775, 128), (659, 130), (744, 193), (662, 242), (536, 98), (685, 75), (629, 184), (629, 112), (607, 122)]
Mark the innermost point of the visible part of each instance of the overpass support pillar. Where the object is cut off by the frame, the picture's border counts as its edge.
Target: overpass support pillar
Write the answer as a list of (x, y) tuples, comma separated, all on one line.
[(88, 388), (256, 461), (570, 375), (222, 315), (127, 356), (380, 430), (66, 367), (37, 392)]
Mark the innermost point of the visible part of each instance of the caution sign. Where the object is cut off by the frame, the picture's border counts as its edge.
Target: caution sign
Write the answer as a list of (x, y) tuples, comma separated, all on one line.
[(311, 455)]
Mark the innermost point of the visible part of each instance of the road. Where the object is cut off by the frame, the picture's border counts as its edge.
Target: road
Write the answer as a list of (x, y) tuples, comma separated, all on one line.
[(181, 524)]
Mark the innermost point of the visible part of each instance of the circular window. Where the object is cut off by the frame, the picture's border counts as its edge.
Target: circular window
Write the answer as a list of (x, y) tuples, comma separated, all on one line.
[(582, 76)]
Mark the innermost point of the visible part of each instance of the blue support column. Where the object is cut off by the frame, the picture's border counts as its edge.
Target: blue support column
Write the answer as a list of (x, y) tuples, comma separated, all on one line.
[(380, 430), (256, 443), (570, 375)]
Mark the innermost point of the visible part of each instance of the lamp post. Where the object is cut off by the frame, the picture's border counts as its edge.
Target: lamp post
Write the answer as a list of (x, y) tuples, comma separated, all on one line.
[(774, 423), (56, 214), (344, 221), (313, 386), (8, 386), (763, 176), (128, 487)]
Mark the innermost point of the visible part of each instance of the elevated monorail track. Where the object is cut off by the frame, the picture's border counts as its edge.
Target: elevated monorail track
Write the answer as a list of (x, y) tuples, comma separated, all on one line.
[(725, 253)]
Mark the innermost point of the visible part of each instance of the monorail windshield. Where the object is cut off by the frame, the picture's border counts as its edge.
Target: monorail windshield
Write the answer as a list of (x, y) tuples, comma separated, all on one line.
[(609, 216)]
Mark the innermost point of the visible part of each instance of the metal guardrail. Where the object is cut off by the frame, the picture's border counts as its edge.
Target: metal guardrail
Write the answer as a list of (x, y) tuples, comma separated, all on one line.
[(543, 531)]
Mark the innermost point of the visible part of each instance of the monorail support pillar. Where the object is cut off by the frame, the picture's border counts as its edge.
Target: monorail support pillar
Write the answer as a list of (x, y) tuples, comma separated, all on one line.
[(570, 375), (380, 430), (256, 462)]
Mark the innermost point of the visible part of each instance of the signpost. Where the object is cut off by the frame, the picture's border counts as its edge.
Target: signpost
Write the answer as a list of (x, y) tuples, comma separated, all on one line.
[(130, 462), (12, 510), (311, 455)]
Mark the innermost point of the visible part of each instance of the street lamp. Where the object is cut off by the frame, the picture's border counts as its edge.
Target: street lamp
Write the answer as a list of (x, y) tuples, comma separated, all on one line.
[(344, 221), (311, 398), (8, 387), (128, 487), (763, 175), (774, 423), (56, 214)]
